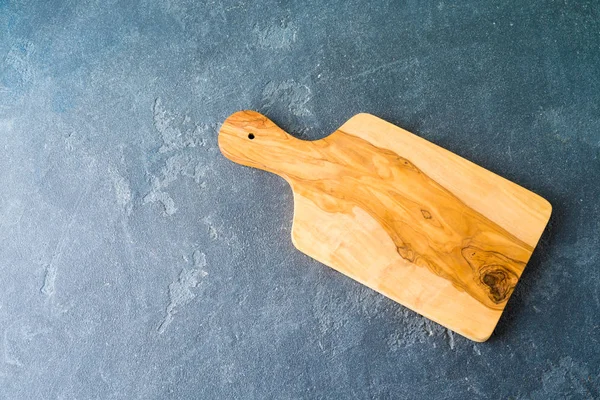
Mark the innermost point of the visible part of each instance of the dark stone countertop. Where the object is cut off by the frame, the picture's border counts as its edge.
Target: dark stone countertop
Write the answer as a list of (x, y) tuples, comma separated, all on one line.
[(137, 262)]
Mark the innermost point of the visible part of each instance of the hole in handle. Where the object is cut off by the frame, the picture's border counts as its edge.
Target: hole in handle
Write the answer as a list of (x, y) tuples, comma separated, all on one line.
[(251, 136)]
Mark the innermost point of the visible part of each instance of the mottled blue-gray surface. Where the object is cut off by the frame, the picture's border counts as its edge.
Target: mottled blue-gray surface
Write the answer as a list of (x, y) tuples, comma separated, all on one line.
[(137, 262)]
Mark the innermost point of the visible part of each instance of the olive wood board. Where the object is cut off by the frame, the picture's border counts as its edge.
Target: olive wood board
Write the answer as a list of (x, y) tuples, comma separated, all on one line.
[(401, 215)]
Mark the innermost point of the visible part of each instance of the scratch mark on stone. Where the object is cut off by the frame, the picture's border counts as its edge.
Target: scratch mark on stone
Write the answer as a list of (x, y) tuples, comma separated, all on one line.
[(122, 190), (413, 63), (310, 72), (48, 288), (451, 342), (49, 280), (180, 292), (212, 232), (224, 94), (8, 357)]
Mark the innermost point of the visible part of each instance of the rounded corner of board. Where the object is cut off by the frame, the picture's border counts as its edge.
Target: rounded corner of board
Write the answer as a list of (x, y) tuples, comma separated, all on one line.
[(360, 119), (479, 335), (548, 208), (482, 338), (364, 116)]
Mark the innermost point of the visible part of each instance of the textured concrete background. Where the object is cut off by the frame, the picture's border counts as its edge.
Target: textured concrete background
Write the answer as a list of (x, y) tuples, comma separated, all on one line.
[(137, 262)]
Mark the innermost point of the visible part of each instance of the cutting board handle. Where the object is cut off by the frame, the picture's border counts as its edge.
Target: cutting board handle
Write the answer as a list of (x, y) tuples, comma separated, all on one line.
[(249, 138)]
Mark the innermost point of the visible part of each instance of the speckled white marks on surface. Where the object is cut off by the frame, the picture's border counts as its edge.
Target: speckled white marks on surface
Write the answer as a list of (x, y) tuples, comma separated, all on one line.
[(19, 60), (180, 291), (178, 133), (276, 36), (122, 190), (78, 89), (415, 330), (50, 273), (290, 94), (566, 379), (11, 211)]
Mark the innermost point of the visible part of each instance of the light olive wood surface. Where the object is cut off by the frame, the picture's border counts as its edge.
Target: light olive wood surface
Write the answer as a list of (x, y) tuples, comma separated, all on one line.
[(403, 216)]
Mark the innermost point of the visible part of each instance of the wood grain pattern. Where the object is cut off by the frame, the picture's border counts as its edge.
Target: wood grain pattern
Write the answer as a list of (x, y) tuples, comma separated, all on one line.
[(401, 215)]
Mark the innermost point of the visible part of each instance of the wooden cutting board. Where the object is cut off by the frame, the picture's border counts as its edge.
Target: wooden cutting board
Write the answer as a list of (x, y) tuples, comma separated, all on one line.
[(417, 223)]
